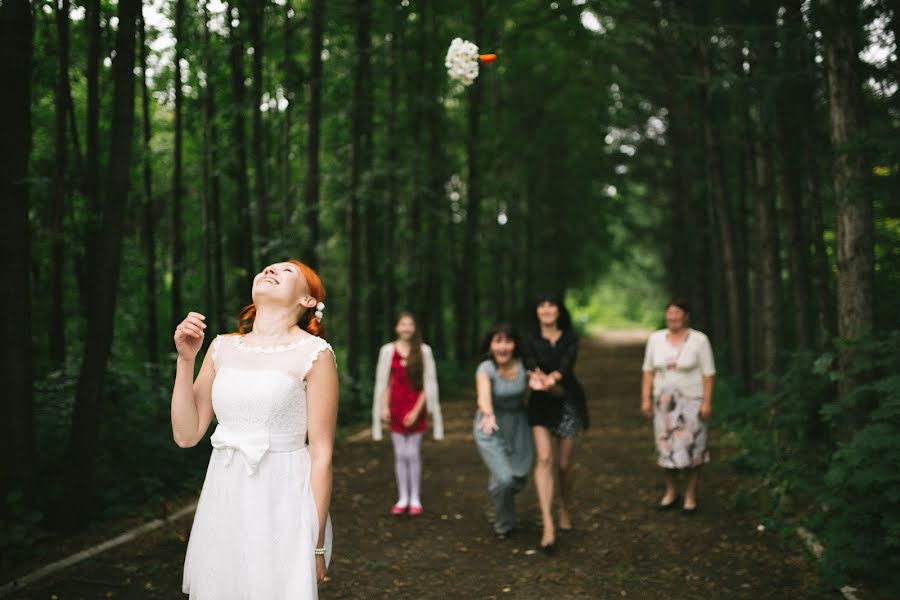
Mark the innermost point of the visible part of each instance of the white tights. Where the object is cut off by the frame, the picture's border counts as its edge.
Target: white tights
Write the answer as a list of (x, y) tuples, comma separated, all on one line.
[(408, 467)]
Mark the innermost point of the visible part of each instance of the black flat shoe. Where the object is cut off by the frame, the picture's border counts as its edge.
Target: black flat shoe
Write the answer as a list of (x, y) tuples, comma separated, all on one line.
[(689, 512), (669, 506), (502, 535), (549, 549)]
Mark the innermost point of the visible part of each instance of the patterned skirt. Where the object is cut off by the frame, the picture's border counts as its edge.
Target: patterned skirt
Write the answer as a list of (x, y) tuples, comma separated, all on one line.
[(679, 432)]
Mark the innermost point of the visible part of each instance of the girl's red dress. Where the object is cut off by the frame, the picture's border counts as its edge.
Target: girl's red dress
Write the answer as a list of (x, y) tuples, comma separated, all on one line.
[(403, 399)]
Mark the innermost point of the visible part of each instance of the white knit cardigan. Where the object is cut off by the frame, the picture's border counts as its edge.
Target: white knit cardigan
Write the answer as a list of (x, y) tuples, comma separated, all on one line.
[(432, 395)]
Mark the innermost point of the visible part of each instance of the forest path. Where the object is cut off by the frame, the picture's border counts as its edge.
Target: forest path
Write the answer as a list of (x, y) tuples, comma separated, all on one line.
[(619, 547)]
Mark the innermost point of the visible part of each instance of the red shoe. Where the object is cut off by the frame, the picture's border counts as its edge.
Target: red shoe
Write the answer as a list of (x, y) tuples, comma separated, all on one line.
[(399, 510), (415, 511)]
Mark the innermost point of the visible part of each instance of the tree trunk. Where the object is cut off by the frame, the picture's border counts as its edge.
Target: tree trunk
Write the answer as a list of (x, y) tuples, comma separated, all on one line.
[(149, 211), (239, 135), (177, 309), (854, 243), (105, 264), (18, 429), (392, 208), (360, 164), (312, 132), (768, 281), (364, 187), (286, 173), (790, 155), (57, 316), (465, 290), (722, 219), (435, 166), (92, 158), (256, 16)]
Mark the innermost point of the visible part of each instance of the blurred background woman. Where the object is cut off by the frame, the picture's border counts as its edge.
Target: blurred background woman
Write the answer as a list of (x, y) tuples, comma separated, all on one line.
[(679, 371)]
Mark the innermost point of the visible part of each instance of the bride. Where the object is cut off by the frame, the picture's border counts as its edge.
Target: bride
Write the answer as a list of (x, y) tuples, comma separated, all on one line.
[(257, 532)]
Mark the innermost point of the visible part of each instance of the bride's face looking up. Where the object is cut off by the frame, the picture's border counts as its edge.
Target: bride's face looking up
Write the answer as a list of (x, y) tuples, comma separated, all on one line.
[(282, 284)]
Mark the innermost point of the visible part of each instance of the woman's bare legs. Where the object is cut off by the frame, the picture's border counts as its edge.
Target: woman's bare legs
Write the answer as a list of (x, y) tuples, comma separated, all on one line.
[(566, 481), (543, 480), (671, 492), (690, 490)]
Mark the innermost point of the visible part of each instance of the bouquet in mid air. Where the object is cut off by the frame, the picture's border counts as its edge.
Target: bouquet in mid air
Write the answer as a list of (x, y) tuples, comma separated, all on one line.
[(463, 61)]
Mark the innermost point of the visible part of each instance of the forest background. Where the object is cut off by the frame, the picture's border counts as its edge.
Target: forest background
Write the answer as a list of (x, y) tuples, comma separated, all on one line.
[(742, 154)]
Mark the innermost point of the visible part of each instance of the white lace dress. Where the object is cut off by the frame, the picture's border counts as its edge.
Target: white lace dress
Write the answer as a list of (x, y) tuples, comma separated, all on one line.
[(256, 525)]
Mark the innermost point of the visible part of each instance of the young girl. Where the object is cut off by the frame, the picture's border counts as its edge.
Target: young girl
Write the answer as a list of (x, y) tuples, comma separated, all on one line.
[(406, 390), (261, 529)]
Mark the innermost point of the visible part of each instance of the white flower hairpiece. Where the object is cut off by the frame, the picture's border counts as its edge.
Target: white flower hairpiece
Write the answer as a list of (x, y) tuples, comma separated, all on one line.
[(320, 307), (463, 61)]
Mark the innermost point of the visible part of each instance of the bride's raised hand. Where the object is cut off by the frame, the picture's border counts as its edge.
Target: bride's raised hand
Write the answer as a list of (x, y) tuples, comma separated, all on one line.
[(189, 336)]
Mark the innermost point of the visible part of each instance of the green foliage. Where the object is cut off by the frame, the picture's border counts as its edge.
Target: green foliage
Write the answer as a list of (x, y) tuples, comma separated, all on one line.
[(831, 461)]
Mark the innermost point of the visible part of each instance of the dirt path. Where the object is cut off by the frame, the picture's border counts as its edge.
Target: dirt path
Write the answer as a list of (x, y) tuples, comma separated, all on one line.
[(620, 547)]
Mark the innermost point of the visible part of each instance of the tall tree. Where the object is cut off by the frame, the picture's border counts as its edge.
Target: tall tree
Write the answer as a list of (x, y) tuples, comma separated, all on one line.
[(765, 240), (392, 204), (291, 77), (18, 433), (92, 136), (148, 216), (314, 122), (722, 209), (56, 320), (239, 135), (212, 186), (466, 291), (792, 174), (104, 266), (177, 173), (360, 164), (855, 235), (256, 16)]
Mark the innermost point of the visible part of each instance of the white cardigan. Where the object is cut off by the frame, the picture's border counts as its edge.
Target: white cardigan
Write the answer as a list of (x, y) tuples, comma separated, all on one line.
[(382, 378)]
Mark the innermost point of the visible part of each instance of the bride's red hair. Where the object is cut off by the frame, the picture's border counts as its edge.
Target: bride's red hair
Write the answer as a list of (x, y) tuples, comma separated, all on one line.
[(308, 320)]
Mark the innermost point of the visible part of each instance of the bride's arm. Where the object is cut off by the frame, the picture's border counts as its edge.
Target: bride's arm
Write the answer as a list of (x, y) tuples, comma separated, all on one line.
[(192, 410), (322, 399)]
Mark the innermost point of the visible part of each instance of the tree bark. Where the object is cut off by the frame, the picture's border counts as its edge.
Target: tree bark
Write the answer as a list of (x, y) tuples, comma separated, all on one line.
[(792, 174), (854, 215), (239, 135), (722, 218), (92, 158), (177, 309), (314, 119), (392, 205), (18, 428), (105, 264), (57, 316), (148, 221), (768, 281), (256, 18), (360, 164), (465, 290)]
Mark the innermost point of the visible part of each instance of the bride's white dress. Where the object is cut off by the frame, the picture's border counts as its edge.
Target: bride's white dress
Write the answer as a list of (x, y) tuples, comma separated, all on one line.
[(256, 525)]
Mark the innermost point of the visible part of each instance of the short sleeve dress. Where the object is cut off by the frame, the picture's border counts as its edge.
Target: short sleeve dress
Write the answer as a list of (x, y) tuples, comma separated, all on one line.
[(256, 526)]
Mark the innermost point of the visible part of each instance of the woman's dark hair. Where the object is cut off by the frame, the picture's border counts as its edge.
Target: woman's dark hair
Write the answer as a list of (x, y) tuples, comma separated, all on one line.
[(415, 364), (507, 331), (565, 319), (679, 303)]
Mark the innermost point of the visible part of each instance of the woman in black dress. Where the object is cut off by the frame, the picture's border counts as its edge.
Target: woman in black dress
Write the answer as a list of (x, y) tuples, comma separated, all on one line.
[(557, 409)]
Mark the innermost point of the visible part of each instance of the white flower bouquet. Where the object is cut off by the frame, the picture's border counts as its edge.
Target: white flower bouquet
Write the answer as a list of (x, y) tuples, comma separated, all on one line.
[(463, 61)]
